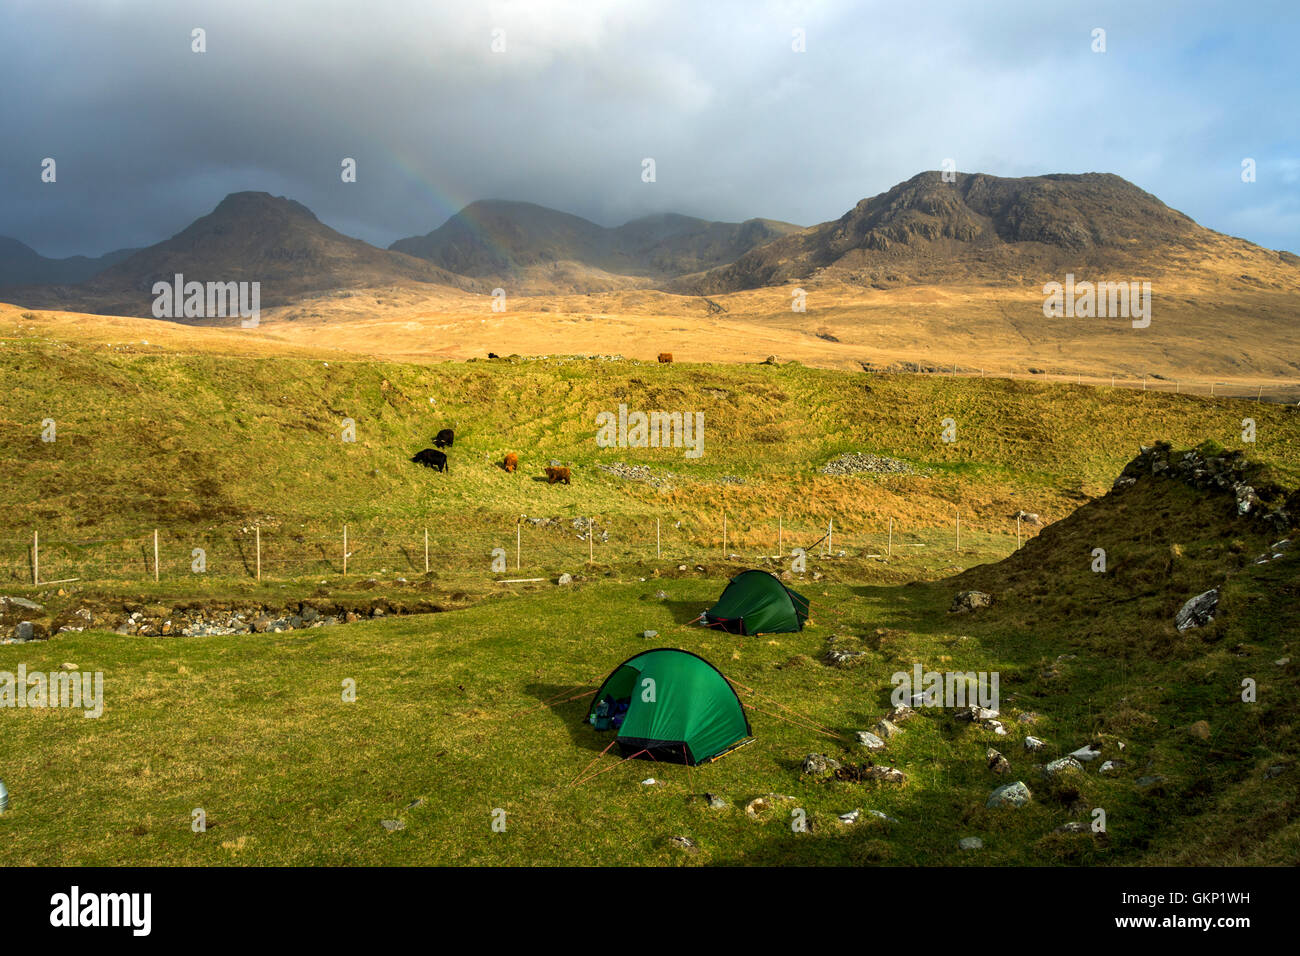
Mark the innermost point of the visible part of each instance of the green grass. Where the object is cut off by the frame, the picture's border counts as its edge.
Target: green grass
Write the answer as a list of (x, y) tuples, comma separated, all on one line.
[(253, 729)]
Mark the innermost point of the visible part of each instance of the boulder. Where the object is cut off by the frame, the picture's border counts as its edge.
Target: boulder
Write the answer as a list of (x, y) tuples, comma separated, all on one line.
[(1012, 795), (1087, 753), (996, 762), (1062, 765), (23, 603), (1033, 744), (1197, 611), (869, 740), (969, 601)]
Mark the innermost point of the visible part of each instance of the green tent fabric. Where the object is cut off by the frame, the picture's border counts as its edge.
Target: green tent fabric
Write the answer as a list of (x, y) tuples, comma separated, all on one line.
[(756, 602), (679, 707)]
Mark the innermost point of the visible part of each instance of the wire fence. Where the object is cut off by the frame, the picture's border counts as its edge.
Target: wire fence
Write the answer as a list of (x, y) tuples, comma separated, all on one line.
[(361, 550)]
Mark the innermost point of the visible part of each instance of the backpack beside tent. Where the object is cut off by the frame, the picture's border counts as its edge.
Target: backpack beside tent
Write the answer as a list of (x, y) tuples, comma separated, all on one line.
[(671, 705), (756, 602)]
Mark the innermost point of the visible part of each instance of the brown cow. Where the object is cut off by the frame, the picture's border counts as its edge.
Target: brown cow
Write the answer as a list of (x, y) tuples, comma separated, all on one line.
[(511, 462), (665, 357), (557, 474)]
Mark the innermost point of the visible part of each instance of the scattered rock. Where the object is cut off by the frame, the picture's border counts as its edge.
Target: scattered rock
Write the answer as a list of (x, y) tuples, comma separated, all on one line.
[(685, 844), (1087, 753), (565, 579), (23, 603), (1062, 765), (392, 825), (820, 764), (1147, 782), (996, 762), (1033, 744), (869, 740), (854, 463), (1012, 795), (715, 802), (1073, 827), (970, 843), (24, 631), (969, 601), (887, 774), (759, 806), (976, 713), (1198, 611), (843, 657), (649, 634), (900, 713), (887, 729)]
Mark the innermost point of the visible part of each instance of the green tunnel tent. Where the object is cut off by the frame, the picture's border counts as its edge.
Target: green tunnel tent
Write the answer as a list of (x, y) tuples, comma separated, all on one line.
[(670, 705), (756, 602)]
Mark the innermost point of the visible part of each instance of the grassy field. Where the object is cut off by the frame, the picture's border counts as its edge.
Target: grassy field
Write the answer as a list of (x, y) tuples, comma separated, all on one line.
[(449, 722)]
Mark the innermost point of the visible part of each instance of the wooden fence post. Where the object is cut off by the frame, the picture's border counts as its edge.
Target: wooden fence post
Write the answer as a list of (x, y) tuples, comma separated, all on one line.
[(889, 553), (36, 558), (1017, 532), (258, 530), (345, 550), (658, 550), (426, 550), (519, 541), (155, 555)]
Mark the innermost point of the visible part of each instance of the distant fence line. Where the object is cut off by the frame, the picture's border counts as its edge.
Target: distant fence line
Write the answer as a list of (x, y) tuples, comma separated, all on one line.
[(1261, 392), (360, 550)]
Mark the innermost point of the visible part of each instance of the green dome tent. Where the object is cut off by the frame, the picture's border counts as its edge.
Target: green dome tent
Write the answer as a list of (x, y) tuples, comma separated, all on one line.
[(756, 602), (671, 705)]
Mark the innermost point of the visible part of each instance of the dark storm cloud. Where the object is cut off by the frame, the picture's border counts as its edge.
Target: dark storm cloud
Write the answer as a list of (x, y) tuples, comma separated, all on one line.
[(148, 135)]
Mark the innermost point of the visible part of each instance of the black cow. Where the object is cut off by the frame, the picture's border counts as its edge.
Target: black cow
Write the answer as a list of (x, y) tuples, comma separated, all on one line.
[(431, 459), (444, 438)]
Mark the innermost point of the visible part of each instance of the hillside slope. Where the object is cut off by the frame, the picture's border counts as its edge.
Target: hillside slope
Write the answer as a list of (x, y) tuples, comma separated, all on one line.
[(546, 250), (1214, 776), (22, 265), (987, 229), (249, 236)]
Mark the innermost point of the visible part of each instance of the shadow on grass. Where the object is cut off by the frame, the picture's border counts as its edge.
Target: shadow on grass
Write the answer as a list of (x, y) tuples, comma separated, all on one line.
[(570, 713), (684, 612)]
